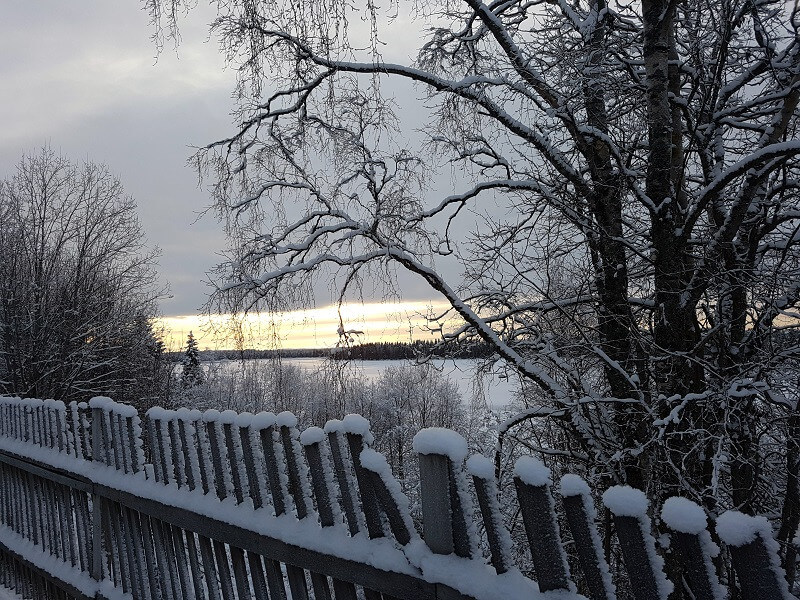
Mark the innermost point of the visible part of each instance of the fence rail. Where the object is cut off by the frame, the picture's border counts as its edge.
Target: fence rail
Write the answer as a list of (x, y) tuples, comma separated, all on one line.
[(239, 506)]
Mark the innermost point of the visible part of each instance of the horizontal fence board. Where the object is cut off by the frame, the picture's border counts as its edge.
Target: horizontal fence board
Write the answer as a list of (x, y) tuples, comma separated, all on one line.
[(54, 474)]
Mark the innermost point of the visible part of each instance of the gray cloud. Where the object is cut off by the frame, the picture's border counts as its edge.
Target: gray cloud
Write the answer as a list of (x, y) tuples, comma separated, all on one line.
[(82, 77)]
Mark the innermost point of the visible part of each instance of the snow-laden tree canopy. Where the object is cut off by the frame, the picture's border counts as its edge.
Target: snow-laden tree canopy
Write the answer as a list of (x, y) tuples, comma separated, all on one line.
[(625, 218)]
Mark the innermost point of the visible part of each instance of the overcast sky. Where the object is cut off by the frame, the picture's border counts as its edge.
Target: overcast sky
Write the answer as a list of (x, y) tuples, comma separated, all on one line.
[(84, 78)]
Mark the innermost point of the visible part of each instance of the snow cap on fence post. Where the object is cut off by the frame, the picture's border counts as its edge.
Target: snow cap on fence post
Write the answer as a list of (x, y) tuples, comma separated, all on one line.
[(443, 485), (644, 566), (581, 520), (693, 546), (532, 480), (754, 553), (358, 425)]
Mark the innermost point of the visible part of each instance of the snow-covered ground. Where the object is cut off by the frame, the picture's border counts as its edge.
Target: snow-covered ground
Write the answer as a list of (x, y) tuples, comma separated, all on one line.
[(6, 594)]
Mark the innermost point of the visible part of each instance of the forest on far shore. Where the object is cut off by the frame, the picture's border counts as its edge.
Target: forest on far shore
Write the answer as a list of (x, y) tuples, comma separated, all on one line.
[(418, 349)]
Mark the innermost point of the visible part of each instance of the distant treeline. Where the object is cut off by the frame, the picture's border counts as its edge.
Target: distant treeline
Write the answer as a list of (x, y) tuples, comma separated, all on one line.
[(369, 351), (399, 350)]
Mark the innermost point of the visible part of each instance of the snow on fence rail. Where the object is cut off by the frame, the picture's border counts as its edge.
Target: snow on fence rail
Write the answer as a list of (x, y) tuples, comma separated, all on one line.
[(241, 506)]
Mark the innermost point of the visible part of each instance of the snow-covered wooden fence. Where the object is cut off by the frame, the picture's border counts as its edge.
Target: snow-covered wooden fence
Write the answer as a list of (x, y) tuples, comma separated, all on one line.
[(241, 506)]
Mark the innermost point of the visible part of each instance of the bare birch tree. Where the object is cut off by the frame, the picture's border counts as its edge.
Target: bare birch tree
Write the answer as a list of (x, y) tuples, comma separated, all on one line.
[(628, 189), (77, 286)]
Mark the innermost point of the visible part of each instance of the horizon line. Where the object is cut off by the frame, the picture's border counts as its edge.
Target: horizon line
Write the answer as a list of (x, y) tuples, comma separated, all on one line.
[(308, 328)]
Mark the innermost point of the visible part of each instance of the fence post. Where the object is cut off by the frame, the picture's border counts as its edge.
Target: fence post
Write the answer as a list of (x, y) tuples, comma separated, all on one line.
[(483, 477), (73, 429), (264, 424), (311, 440), (97, 501), (155, 454), (532, 481), (340, 470), (580, 513), (444, 525), (178, 466), (217, 476), (232, 450), (644, 566), (204, 467), (693, 546), (39, 420), (134, 441), (754, 553), (83, 411), (358, 435), (389, 494), (437, 527), (286, 423), (243, 423), (27, 424), (298, 481), (60, 417)]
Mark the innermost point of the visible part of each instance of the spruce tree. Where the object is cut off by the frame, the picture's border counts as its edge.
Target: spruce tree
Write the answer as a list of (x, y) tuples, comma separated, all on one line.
[(192, 374)]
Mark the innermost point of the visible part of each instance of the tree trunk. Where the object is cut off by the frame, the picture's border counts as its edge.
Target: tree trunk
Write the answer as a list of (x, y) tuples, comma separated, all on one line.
[(790, 515)]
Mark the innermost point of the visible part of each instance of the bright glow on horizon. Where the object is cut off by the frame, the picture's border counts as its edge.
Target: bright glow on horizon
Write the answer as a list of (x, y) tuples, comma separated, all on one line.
[(311, 328)]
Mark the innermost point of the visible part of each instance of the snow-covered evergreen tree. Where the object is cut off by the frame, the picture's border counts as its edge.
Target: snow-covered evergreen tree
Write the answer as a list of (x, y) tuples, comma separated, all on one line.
[(192, 374)]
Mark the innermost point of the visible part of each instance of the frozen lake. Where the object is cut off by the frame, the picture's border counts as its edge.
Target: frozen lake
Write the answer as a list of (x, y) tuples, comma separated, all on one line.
[(497, 390)]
